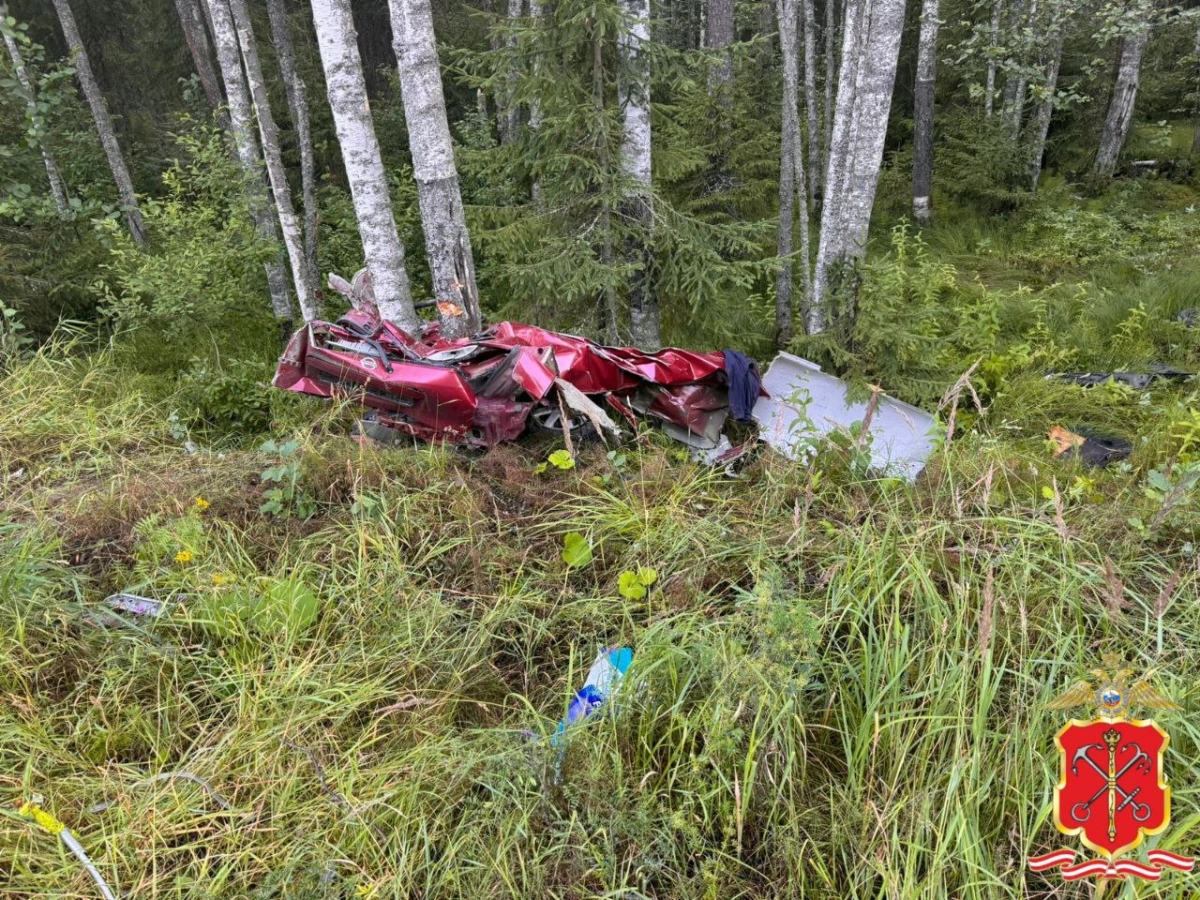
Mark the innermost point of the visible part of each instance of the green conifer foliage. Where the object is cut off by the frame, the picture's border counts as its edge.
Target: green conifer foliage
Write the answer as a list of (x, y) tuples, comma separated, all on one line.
[(558, 260)]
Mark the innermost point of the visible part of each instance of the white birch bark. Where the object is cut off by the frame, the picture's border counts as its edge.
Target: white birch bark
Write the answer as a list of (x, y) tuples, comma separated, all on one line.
[(289, 225), (792, 178), (810, 99), (535, 106), (1196, 133), (447, 243), (1012, 44), (989, 91), (838, 151), (848, 208), (1120, 107), (923, 114), (364, 165), (511, 122), (634, 97), (229, 59), (830, 81), (104, 127), (1017, 108), (1045, 111), (297, 96), (195, 33), (57, 191)]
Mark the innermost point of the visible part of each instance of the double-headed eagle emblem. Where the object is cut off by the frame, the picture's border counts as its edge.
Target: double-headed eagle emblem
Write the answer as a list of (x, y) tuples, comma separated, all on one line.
[(1111, 693)]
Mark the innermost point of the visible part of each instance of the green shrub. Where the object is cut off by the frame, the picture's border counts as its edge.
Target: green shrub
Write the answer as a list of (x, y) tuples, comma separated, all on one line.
[(204, 270)]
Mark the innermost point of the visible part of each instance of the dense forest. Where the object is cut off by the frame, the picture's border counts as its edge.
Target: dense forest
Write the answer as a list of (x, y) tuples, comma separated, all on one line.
[(351, 662), (695, 173)]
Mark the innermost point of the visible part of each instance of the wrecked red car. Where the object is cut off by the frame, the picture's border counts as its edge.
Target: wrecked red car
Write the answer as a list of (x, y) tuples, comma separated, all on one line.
[(509, 378)]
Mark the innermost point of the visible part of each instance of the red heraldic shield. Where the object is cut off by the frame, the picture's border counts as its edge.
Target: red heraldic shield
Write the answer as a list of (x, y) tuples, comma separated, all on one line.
[(1110, 790)]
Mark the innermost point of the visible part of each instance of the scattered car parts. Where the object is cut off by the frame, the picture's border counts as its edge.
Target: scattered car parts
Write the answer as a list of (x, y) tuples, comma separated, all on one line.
[(805, 403)]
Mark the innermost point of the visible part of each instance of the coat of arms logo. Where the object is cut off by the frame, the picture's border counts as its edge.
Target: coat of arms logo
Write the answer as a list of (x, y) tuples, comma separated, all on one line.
[(1112, 790)]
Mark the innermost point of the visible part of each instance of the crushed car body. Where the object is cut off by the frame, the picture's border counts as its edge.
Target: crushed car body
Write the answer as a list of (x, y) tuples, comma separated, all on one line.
[(493, 386), (510, 378)]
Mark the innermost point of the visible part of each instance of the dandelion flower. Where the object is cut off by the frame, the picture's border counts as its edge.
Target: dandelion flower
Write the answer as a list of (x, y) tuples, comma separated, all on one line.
[(219, 579), (201, 504), (183, 557)]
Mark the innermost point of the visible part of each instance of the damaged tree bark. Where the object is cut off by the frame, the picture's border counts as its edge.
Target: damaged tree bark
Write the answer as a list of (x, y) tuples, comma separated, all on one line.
[(347, 92), (447, 243)]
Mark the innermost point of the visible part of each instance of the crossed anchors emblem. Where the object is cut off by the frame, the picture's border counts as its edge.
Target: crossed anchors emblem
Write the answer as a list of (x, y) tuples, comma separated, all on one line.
[(1112, 791)]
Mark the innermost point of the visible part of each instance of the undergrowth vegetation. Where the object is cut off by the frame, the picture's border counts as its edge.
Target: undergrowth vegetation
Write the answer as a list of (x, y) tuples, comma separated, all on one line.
[(839, 678)]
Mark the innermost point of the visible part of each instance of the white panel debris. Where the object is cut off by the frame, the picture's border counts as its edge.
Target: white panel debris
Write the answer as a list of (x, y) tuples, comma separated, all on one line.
[(806, 403)]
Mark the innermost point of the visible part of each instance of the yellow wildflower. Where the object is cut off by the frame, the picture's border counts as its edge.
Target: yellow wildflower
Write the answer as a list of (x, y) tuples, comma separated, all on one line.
[(218, 579), (183, 557), (201, 504)]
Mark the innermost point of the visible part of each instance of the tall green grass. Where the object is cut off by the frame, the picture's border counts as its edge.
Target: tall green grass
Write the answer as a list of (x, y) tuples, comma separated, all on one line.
[(838, 687), (839, 682)]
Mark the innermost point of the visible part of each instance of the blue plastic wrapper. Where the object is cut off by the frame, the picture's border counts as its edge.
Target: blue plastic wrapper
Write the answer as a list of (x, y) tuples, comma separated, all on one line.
[(603, 677)]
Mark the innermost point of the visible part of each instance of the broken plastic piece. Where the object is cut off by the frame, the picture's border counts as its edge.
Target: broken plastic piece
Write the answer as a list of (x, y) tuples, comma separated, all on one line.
[(803, 399), (1139, 381), (603, 678), (132, 603)]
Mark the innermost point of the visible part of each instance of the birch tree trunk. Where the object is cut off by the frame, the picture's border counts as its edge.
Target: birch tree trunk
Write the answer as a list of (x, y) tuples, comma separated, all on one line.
[(840, 145), (830, 81), (52, 174), (634, 91), (1120, 107), (347, 92), (297, 96), (229, 58), (104, 127), (720, 37), (791, 177), (1196, 133), (923, 114), (810, 99), (1012, 41), (535, 107), (511, 123), (872, 48), (989, 92), (1017, 108), (289, 225), (447, 243), (195, 32), (1045, 111)]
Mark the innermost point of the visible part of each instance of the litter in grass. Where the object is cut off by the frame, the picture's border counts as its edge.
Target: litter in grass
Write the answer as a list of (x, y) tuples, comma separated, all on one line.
[(135, 605), (1139, 381), (1094, 450), (805, 402), (603, 677), (34, 813)]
